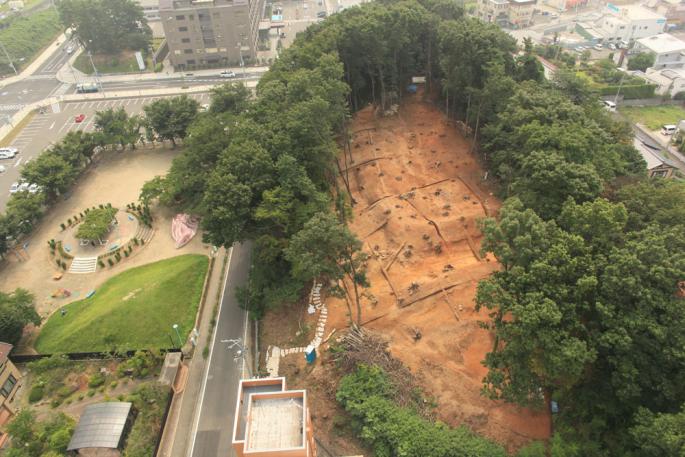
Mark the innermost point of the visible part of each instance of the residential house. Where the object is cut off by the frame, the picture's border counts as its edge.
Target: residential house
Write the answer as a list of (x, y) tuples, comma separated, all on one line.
[(507, 13), (628, 23)]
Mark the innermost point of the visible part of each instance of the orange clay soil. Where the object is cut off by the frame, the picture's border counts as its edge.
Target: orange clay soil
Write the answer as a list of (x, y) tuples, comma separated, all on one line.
[(419, 193)]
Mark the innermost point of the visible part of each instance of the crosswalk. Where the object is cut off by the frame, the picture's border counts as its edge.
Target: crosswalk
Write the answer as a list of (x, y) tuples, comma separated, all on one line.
[(40, 76), (11, 107)]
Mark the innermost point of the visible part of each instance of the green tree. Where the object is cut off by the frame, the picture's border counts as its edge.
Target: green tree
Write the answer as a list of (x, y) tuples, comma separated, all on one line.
[(23, 211), (170, 118), (17, 311), (653, 201), (33, 438), (326, 248), (97, 223), (659, 435), (641, 61), (231, 98), (582, 311), (106, 26), (50, 171), (117, 127)]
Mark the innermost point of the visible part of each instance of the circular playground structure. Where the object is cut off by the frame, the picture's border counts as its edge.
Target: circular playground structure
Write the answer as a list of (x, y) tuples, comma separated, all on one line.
[(126, 230)]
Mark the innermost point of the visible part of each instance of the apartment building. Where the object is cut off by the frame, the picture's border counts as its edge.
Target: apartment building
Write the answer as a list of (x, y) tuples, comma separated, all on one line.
[(210, 33), (9, 384), (673, 10), (271, 421), (507, 13)]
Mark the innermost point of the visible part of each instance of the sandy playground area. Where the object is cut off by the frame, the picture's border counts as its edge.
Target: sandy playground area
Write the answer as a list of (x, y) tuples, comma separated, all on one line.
[(419, 193), (116, 178)]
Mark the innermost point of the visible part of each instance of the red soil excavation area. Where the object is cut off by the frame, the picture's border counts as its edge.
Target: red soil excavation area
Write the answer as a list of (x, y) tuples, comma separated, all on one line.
[(419, 193)]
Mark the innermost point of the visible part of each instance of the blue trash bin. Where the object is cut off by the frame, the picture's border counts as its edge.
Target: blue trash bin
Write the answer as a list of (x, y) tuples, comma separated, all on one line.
[(310, 354)]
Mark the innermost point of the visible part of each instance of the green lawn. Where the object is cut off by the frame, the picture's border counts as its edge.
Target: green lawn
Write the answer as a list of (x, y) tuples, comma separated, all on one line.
[(133, 310), (26, 37), (654, 116), (107, 64)]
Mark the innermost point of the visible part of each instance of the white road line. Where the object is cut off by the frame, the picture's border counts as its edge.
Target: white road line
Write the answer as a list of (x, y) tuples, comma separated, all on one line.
[(90, 121), (100, 103), (198, 411), (128, 101), (67, 123), (51, 126), (17, 164)]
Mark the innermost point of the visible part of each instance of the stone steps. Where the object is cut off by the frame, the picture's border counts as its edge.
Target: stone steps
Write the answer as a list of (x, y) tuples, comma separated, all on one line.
[(84, 265)]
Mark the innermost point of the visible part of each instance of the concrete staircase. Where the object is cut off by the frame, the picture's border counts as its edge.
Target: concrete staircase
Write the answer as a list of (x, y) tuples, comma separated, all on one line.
[(83, 265), (144, 232)]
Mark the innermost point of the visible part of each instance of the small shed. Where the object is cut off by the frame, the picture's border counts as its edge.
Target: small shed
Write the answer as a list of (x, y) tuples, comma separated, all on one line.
[(101, 429)]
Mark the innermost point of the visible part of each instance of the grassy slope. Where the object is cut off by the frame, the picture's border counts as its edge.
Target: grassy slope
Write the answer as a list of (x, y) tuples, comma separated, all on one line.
[(107, 64), (27, 36), (133, 310), (654, 116)]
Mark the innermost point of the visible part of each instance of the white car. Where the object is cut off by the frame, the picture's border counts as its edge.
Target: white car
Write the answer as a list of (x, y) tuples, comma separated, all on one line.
[(598, 47), (612, 46), (70, 49), (204, 108), (227, 74), (34, 188), (24, 187), (2, 169), (14, 188), (8, 153)]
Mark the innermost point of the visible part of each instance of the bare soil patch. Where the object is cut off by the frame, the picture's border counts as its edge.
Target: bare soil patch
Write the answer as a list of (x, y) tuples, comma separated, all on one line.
[(419, 192)]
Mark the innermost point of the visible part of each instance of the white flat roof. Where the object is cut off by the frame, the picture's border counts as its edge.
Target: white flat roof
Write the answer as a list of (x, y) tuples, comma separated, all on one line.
[(662, 43), (275, 423), (637, 12)]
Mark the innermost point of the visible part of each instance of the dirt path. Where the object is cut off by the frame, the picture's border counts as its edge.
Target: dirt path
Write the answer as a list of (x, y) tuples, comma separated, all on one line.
[(116, 179), (419, 194)]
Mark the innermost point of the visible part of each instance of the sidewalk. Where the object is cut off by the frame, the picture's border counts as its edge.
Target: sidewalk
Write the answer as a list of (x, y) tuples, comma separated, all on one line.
[(179, 423), (70, 75)]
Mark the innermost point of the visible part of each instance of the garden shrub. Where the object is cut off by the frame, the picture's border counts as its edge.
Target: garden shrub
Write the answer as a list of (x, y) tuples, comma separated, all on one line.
[(36, 393), (96, 380), (392, 430)]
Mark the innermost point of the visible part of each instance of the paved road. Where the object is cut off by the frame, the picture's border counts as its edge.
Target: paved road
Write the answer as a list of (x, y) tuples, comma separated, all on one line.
[(213, 427), (41, 84)]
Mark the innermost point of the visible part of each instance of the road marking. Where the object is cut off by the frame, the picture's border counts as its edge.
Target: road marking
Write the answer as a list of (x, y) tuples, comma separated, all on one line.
[(128, 101), (52, 125), (100, 103), (17, 164), (92, 118), (211, 350)]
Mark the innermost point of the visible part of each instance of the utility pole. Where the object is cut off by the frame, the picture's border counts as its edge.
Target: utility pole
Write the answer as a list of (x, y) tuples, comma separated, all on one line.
[(9, 59), (95, 70), (240, 354)]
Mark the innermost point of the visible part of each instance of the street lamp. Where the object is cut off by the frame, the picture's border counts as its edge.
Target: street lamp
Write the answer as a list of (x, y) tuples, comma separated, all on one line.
[(180, 341), (240, 354), (9, 59)]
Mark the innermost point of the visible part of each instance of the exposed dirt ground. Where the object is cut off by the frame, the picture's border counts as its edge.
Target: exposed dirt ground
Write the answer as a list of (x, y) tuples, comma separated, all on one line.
[(117, 179), (419, 192)]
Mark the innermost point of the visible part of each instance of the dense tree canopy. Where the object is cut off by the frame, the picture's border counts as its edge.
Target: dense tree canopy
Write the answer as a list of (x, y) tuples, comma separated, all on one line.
[(16, 310), (170, 118), (106, 26)]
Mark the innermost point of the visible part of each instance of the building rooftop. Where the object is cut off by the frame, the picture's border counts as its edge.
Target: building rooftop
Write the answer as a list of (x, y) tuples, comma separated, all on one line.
[(5, 349), (662, 43), (247, 390), (275, 423), (100, 426), (637, 12), (653, 157)]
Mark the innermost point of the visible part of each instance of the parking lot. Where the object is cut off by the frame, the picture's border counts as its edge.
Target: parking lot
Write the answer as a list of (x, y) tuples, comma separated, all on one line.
[(46, 129)]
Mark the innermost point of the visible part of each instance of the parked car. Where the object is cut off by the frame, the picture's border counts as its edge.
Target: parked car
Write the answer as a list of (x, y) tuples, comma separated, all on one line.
[(78, 119), (14, 188), (609, 105), (668, 129), (612, 46), (2, 169), (70, 49), (598, 47), (579, 49), (8, 153), (227, 74), (204, 107), (24, 187), (34, 188), (321, 14)]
